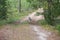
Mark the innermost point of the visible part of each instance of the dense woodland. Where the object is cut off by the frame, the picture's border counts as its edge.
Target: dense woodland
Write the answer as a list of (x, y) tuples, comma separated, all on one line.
[(12, 10)]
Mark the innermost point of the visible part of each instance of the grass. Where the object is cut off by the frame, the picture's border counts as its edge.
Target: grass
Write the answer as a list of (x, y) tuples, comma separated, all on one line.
[(45, 25), (2, 23)]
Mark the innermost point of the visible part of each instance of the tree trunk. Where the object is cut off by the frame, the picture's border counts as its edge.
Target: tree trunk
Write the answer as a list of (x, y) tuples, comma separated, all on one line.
[(19, 6)]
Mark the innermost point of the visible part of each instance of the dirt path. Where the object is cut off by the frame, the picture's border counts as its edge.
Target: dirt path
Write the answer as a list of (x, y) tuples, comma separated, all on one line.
[(23, 32), (42, 34), (26, 32)]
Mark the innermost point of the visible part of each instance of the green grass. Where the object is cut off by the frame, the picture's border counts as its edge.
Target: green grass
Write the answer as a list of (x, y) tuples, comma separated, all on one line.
[(45, 25), (2, 23)]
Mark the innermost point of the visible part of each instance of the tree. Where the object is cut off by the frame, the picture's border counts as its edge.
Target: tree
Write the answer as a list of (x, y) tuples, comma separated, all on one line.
[(50, 17), (19, 6), (53, 11), (3, 9)]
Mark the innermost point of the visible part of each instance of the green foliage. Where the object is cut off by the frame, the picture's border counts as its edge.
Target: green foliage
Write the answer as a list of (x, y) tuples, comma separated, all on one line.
[(58, 27), (25, 5), (12, 10), (3, 9), (35, 3), (56, 8), (53, 11), (9, 9), (3, 22), (42, 22)]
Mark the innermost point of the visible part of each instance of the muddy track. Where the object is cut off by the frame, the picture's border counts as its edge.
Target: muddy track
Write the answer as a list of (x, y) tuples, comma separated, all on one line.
[(19, 33), (26, 32)]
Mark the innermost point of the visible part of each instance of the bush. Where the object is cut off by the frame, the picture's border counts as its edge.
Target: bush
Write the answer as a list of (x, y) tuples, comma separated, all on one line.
[(42, 22), (58, 27), (12, 11), (2, 22)]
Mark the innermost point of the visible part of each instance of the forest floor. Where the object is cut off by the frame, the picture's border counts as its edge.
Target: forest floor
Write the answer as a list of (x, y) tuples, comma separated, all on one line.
[(26, 32)]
